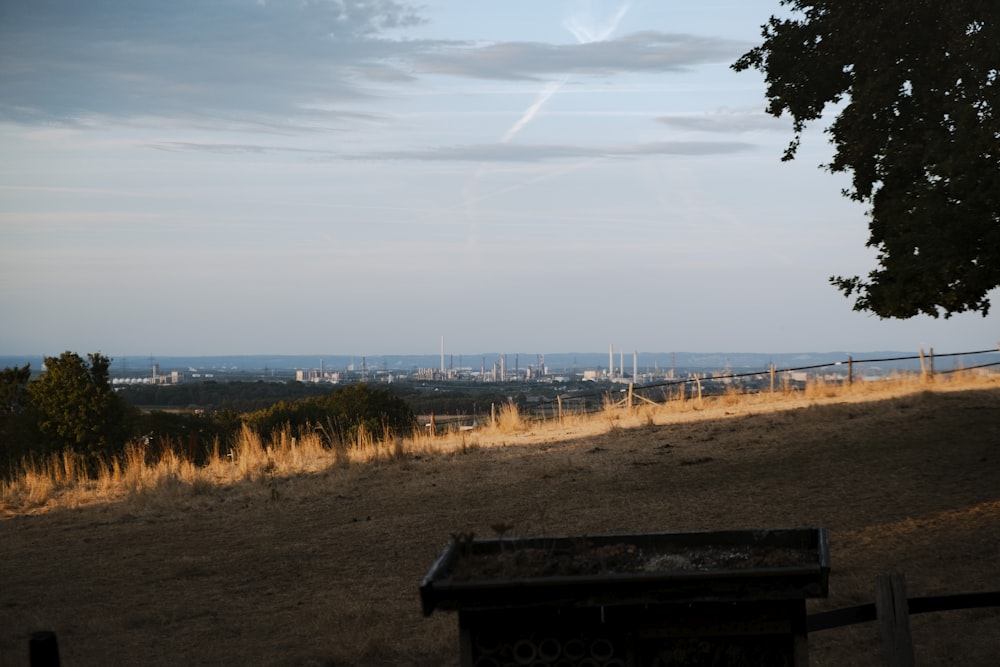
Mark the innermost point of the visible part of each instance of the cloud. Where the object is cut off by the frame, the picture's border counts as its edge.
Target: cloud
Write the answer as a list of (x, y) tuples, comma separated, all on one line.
[(275, 66), (224, 60), (727, 121), (647, 51), (506, 152), (492, 152), (230, 149)]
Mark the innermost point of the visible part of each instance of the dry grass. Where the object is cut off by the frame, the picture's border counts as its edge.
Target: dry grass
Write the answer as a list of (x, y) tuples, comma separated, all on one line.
[(295, 552), (61, 481)]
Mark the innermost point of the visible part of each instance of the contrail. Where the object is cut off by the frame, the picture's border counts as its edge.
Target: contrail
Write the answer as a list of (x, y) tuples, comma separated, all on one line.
[(583, 35), (548, 91)]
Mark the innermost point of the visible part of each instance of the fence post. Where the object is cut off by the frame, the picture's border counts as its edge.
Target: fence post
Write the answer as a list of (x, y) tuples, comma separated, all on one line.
[(892, 609), (931, 359), (923, 365), (631, 386), (850, 370), (559, 402), (772, 377), (43, 649)]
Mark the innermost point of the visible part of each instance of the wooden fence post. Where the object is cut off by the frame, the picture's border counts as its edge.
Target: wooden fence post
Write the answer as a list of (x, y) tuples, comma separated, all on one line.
[(43, 649), (772, 378), (850, 370), (892, 609)]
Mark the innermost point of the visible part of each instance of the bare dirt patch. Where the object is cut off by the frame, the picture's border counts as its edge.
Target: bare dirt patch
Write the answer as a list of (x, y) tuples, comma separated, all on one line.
[(325, 568)]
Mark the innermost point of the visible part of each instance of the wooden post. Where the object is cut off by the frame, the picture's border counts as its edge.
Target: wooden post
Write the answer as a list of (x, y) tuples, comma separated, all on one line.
[(433, 426), (697, 378), (931, 359), (892, 609), (559, 403), (493, 414), (43, 649), (923, 365), (772, 378), (630, 403), (850, 370)]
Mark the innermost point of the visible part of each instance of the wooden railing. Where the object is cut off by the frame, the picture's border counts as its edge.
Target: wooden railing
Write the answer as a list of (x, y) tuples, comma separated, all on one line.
[(892, 609)]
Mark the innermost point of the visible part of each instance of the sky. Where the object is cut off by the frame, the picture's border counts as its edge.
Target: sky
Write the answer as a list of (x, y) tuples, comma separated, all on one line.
[(376, 177)]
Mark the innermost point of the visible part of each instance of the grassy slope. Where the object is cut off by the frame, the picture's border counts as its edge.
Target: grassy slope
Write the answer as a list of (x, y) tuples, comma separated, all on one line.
[(324, 568)]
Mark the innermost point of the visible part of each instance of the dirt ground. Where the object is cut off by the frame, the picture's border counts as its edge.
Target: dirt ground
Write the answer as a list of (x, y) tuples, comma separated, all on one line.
[(325, 569)]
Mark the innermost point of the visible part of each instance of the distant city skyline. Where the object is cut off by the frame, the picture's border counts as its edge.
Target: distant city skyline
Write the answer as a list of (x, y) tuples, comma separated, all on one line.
[(265, 177), (622, 361)]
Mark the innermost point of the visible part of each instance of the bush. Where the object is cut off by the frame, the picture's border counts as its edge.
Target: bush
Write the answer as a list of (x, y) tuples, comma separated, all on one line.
[(341, 414)]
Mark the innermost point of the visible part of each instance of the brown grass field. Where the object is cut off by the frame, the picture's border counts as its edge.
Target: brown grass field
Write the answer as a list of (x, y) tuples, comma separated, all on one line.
[(291, 554)]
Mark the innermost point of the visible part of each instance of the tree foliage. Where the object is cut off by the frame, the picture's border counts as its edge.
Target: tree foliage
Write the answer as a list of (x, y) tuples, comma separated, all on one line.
[(344, 411), (918, 133), (14, 388), (73, 407), (213, 395)]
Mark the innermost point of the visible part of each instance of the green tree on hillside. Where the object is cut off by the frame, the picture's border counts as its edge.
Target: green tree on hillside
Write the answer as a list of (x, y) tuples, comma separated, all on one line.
[(345, 411), (73, 407), (13, 388), (13, 400), (919, 133)]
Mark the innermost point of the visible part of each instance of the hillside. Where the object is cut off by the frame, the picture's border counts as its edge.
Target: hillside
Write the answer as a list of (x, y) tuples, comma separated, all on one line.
[(324, 568)]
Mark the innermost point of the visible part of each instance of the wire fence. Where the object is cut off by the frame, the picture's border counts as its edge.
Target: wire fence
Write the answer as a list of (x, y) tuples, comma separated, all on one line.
[(705, 385)]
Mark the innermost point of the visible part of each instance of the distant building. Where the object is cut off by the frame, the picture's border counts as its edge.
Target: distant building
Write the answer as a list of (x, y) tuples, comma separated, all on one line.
[(317, 376)]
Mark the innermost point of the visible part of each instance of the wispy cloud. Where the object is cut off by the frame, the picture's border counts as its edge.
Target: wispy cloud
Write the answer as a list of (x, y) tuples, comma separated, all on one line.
[(645, 51), (62, 60), (230, 149), (509, 152), (281, 66), (726, 121)]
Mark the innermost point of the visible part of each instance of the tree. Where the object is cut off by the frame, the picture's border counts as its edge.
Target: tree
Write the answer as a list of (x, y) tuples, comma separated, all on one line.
[(13, 388), (346, 410), (74, 407), (919, 135), (13, 400)]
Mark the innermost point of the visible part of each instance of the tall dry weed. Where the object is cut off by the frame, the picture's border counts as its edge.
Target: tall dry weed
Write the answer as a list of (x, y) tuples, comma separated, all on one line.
[(509, 419)]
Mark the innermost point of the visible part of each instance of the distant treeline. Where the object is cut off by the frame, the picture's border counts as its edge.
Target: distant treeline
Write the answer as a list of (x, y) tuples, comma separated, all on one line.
[(242, 397), (211, 396)]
